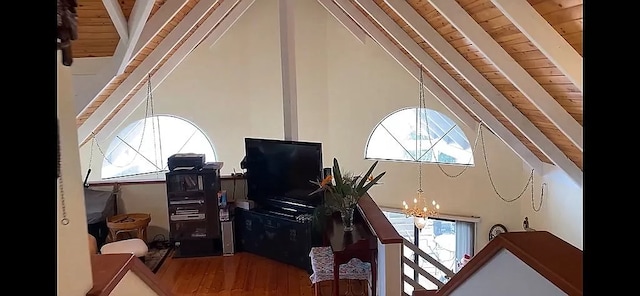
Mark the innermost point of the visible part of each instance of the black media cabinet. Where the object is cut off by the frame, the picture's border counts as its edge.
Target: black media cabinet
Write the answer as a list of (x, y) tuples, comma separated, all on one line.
[(275, 236), (194, 224)]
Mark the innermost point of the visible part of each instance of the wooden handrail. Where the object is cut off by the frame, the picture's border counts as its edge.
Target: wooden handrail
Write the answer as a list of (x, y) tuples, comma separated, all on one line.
[(556, 260), (109, 269), (377, 221)]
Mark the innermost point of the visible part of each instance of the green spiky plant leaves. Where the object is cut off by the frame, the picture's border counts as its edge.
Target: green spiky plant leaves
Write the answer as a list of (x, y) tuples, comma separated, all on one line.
[(342, 191)]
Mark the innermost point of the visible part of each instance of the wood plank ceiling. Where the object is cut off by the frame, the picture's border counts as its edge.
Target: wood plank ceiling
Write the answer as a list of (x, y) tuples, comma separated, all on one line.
[(99, 38)]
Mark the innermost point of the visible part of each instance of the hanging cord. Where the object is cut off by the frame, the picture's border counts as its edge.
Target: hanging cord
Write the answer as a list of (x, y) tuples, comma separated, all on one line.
[(154, 121), (423, 108), (475, 145), (419, 133), (148, 106), (529, 182)]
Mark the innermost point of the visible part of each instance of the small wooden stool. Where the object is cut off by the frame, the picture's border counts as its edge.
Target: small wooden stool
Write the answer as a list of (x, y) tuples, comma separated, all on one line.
[(354, 275), (128, 223)]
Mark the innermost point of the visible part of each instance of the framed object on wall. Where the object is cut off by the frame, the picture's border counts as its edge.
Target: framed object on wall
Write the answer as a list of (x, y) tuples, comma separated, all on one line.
[(495, 230)]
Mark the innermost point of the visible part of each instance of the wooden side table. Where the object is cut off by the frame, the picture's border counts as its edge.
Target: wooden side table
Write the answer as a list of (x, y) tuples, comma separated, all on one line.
[(128, 223), (359, 243)]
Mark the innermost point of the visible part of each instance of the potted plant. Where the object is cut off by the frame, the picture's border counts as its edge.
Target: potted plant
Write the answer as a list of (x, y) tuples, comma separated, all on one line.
[(342, 192)]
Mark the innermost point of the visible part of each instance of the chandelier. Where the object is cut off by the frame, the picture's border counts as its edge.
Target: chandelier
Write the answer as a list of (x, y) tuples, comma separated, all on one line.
[(420, 210)]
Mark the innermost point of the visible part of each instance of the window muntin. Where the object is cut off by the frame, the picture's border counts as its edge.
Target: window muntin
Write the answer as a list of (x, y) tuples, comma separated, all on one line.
[(439, 140), (144, 146)]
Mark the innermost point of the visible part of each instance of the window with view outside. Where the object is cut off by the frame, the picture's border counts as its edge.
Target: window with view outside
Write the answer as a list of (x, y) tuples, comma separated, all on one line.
[(444, 240), (144, 146), (440, 139)]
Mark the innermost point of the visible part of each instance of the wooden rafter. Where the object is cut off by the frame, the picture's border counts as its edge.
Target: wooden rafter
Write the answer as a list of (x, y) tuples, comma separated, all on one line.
[(117, 17), (88, 92), (485, 88), (211, 30), (463, 96), (406, 63), (544, 36), (137, 19), (139, 75), (344, 19), (537, 95), (158, 21)]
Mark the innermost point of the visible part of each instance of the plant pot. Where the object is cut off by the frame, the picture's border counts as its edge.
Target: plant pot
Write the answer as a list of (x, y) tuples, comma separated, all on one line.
[(347, 219)]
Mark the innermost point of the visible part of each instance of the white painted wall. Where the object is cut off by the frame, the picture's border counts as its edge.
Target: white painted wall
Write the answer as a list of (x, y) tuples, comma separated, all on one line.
[(506, 275), (562, 207), (233, 90), (84, 72)]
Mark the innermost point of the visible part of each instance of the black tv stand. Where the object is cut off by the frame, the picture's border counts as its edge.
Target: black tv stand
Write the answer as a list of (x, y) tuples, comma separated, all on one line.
[(276, 235)]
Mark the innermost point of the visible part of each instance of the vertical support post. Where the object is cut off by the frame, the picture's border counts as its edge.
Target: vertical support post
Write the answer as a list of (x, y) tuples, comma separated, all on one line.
[(74, 261), (288, 66)]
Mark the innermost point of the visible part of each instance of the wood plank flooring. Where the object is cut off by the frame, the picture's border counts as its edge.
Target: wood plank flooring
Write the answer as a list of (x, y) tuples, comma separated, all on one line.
[(242, 274)]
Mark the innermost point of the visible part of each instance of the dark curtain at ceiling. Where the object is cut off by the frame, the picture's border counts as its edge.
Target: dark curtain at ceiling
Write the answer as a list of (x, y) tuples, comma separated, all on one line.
[(67, 28)]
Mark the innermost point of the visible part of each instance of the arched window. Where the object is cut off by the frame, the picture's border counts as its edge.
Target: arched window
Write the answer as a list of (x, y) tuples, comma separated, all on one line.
[(441, 140), (144, 146)]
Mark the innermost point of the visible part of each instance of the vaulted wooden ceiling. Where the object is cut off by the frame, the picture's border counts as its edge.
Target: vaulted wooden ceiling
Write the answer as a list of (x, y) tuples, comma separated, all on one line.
[(514, 65)]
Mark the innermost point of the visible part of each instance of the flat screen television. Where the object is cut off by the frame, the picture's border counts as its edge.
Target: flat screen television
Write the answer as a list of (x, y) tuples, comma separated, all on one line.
[(281, 170)]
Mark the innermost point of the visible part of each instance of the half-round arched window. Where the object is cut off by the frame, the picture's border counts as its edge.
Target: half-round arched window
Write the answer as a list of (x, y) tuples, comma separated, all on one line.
[(144, 146), (439, 139)]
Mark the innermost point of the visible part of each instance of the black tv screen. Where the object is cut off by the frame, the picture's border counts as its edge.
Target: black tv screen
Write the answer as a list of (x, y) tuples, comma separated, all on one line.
[(280, 169)]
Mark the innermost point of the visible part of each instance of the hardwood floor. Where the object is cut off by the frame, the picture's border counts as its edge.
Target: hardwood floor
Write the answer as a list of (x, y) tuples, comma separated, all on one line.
[(242, 274)]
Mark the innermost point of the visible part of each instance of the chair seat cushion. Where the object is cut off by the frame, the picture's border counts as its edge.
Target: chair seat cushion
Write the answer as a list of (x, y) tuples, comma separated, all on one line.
[(133, 246), (322, 265)]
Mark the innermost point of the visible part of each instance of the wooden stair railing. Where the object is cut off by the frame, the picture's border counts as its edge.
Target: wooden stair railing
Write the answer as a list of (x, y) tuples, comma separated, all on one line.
[(554, 259), (109, 269), (419, 253)]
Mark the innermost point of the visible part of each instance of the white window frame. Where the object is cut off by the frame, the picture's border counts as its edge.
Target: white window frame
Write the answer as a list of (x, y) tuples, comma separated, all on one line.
[(462, 133), (155, 175)]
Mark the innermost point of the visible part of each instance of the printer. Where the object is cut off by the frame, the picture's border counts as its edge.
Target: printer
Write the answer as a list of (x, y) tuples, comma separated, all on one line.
[(190, 161)]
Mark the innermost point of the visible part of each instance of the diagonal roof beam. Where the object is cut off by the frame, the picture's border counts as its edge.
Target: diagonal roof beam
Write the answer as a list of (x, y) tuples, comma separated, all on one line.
[(161, 18), (214, 20), (227, 23), (344, 19), (484, 87), (544, 36), (396, 32), (406, 63), (117, 17), (86, 93), (139, 15), (518, 76), (124, 89)]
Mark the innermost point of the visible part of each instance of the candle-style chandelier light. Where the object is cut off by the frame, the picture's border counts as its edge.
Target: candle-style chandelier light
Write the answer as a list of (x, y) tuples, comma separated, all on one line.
[(420, 209)]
